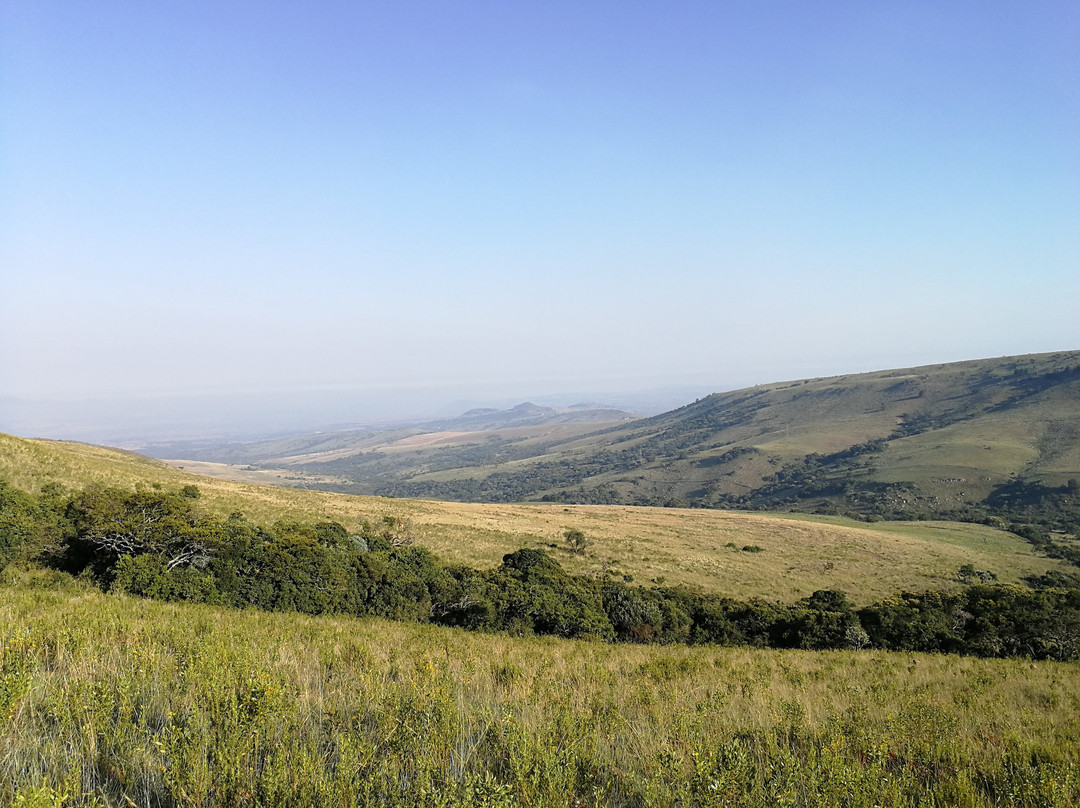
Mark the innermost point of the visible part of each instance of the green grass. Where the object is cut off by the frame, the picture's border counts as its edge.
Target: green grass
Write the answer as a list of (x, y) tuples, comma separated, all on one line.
[(111, 701), (969, 536), (679, 546)]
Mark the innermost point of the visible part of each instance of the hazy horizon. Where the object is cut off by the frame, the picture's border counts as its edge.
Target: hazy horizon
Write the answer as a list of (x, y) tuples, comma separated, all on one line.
[(144, 421), (400, 207)]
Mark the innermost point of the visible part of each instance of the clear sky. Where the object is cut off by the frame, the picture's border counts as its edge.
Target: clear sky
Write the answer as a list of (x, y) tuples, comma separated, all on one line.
[(202, 197)]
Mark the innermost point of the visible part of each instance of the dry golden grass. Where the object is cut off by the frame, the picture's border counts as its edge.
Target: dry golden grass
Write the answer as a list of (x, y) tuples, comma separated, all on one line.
[(250, 474), (701, 548)]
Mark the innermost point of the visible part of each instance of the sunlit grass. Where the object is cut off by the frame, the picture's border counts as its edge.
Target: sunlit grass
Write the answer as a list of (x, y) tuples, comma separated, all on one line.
[(116, 701), (695, 547)]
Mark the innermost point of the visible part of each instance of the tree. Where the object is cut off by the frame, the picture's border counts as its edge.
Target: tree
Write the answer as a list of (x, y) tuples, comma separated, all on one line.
[(114, 523), (18, 515), (398, 532), (577, 540)]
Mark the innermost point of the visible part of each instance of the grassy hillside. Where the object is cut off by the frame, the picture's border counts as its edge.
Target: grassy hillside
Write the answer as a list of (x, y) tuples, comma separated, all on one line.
[(702, 548), (111, 701), (930, 440)]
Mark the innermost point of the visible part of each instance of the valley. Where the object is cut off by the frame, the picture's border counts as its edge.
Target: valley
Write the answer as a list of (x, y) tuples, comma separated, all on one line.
[(985, 436)]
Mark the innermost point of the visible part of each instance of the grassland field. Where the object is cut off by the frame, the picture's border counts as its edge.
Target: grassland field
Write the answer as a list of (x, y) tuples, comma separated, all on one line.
[(695, 547), (108, 700)]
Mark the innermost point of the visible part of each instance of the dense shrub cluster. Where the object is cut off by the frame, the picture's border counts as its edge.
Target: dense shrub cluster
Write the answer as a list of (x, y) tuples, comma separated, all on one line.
[(158, 544)]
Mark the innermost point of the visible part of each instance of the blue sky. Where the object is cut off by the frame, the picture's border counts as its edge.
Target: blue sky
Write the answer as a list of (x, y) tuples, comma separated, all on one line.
[(502, 198)]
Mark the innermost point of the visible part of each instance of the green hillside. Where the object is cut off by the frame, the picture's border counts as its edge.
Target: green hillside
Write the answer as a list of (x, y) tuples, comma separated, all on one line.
[(1000, 435), (111, 700)]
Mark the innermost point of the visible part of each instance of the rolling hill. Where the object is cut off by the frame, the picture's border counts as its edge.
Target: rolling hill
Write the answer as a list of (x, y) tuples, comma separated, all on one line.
[(112, 699), (473, 437), (1001, 435), (700, 548)]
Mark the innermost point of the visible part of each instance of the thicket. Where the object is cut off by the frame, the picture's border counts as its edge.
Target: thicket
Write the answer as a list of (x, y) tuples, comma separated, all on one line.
[(158, 544)]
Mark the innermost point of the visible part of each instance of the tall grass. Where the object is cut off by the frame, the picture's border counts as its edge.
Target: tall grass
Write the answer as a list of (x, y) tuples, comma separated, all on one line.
[(107, 700)]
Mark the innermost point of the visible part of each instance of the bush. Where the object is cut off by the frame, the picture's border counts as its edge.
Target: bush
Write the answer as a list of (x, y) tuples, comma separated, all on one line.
[(155, 544), (577, 540)]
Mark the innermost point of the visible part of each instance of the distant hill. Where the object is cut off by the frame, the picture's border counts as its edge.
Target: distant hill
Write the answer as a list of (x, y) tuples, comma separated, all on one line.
[(1001, 435), (472, 437), (529, 414)]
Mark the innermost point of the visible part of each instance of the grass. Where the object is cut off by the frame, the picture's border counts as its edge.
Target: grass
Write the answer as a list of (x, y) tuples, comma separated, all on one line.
[(962, 462), (110, 701), (678, 546)]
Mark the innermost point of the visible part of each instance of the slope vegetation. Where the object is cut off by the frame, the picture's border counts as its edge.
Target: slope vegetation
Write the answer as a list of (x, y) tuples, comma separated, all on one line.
[(1001, 435), (115, 701), (706, 549)]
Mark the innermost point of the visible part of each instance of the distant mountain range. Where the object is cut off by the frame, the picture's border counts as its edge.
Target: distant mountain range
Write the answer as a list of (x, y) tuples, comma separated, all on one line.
[(466, 428), (529, 414), (992, 434)]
